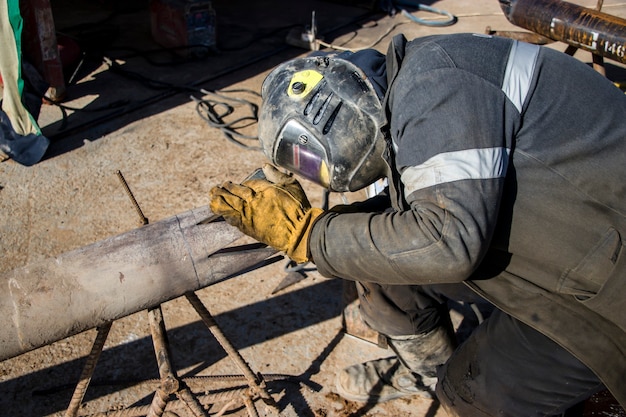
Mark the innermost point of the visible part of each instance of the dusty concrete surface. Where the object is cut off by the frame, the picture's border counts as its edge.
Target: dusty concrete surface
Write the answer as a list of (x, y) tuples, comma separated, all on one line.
[(171, 158)]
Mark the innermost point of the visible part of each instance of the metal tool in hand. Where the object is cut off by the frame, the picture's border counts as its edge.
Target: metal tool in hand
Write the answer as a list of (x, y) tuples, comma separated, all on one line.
[(212, 218), (256, 175)]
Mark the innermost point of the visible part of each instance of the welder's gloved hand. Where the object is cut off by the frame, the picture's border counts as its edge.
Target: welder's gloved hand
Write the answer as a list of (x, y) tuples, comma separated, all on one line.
[(275, 211)]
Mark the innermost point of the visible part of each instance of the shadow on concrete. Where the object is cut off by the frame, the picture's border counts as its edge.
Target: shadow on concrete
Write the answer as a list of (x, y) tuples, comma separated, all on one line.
[(122, 75), (193, 347)]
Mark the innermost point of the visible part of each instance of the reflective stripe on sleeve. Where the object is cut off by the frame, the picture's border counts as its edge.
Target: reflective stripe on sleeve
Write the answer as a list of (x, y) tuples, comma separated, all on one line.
[(470, 164), (519, 72)]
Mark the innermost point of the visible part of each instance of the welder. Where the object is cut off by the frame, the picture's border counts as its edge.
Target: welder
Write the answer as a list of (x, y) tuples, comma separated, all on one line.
[(503, 167)]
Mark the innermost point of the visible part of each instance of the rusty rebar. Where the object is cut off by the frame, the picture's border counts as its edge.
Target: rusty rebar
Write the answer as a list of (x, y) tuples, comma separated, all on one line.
[(231, 397), (170, 384), (88, 369), (247, 400), (186, 396), (225, 408), (255, 382), (158, 404), (144, 219)]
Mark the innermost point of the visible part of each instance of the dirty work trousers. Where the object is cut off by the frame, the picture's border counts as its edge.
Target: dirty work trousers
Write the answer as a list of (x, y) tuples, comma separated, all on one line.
[(503, 368)]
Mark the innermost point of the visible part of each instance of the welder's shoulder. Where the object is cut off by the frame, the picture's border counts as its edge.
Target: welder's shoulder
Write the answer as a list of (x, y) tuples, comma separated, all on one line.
[(465, 51)]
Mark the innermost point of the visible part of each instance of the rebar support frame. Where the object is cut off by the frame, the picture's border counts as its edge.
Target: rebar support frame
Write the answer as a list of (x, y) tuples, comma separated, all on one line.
[(170, 383)]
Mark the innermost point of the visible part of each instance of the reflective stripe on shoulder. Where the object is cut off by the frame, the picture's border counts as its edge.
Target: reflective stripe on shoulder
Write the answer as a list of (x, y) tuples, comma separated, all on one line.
[(471, 164), (519, 72)]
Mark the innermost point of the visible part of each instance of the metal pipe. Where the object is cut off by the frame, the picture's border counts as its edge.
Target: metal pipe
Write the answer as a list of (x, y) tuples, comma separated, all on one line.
[(592, 30), (59, 297)]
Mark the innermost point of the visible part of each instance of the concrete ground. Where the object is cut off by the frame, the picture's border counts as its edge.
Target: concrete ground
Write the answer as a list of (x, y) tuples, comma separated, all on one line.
[(119, 119)]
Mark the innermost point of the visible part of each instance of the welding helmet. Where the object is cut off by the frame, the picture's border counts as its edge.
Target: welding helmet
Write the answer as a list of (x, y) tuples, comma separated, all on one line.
[(321, 118)]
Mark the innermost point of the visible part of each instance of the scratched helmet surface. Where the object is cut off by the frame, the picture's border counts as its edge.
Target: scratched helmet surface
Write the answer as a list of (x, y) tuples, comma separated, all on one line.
[(321, 119)]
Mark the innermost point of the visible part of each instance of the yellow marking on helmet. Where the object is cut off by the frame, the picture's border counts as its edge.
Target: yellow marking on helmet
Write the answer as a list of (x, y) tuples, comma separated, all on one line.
[(304, 82)]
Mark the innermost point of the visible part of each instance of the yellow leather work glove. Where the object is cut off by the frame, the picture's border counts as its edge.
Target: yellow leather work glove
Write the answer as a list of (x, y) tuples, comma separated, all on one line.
[(275, 211)]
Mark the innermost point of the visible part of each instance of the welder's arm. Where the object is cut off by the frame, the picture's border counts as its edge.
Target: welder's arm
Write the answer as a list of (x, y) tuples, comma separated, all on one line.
[(441, 238), (275, 211)]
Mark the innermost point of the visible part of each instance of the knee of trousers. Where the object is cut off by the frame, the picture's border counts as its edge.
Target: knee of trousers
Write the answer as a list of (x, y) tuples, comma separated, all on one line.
[(461, 385), (383, 308), (456, 397)]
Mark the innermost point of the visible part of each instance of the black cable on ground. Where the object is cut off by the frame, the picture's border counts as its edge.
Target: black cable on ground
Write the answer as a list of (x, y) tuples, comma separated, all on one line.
[(124, 110), (212, 109), (208, 110)]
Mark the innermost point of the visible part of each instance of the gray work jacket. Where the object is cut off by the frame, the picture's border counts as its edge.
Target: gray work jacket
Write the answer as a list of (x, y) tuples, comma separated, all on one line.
[(507, 171)]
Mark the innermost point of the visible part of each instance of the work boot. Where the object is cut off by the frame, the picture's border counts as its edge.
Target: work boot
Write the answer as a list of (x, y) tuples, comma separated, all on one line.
[(412, 372)]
